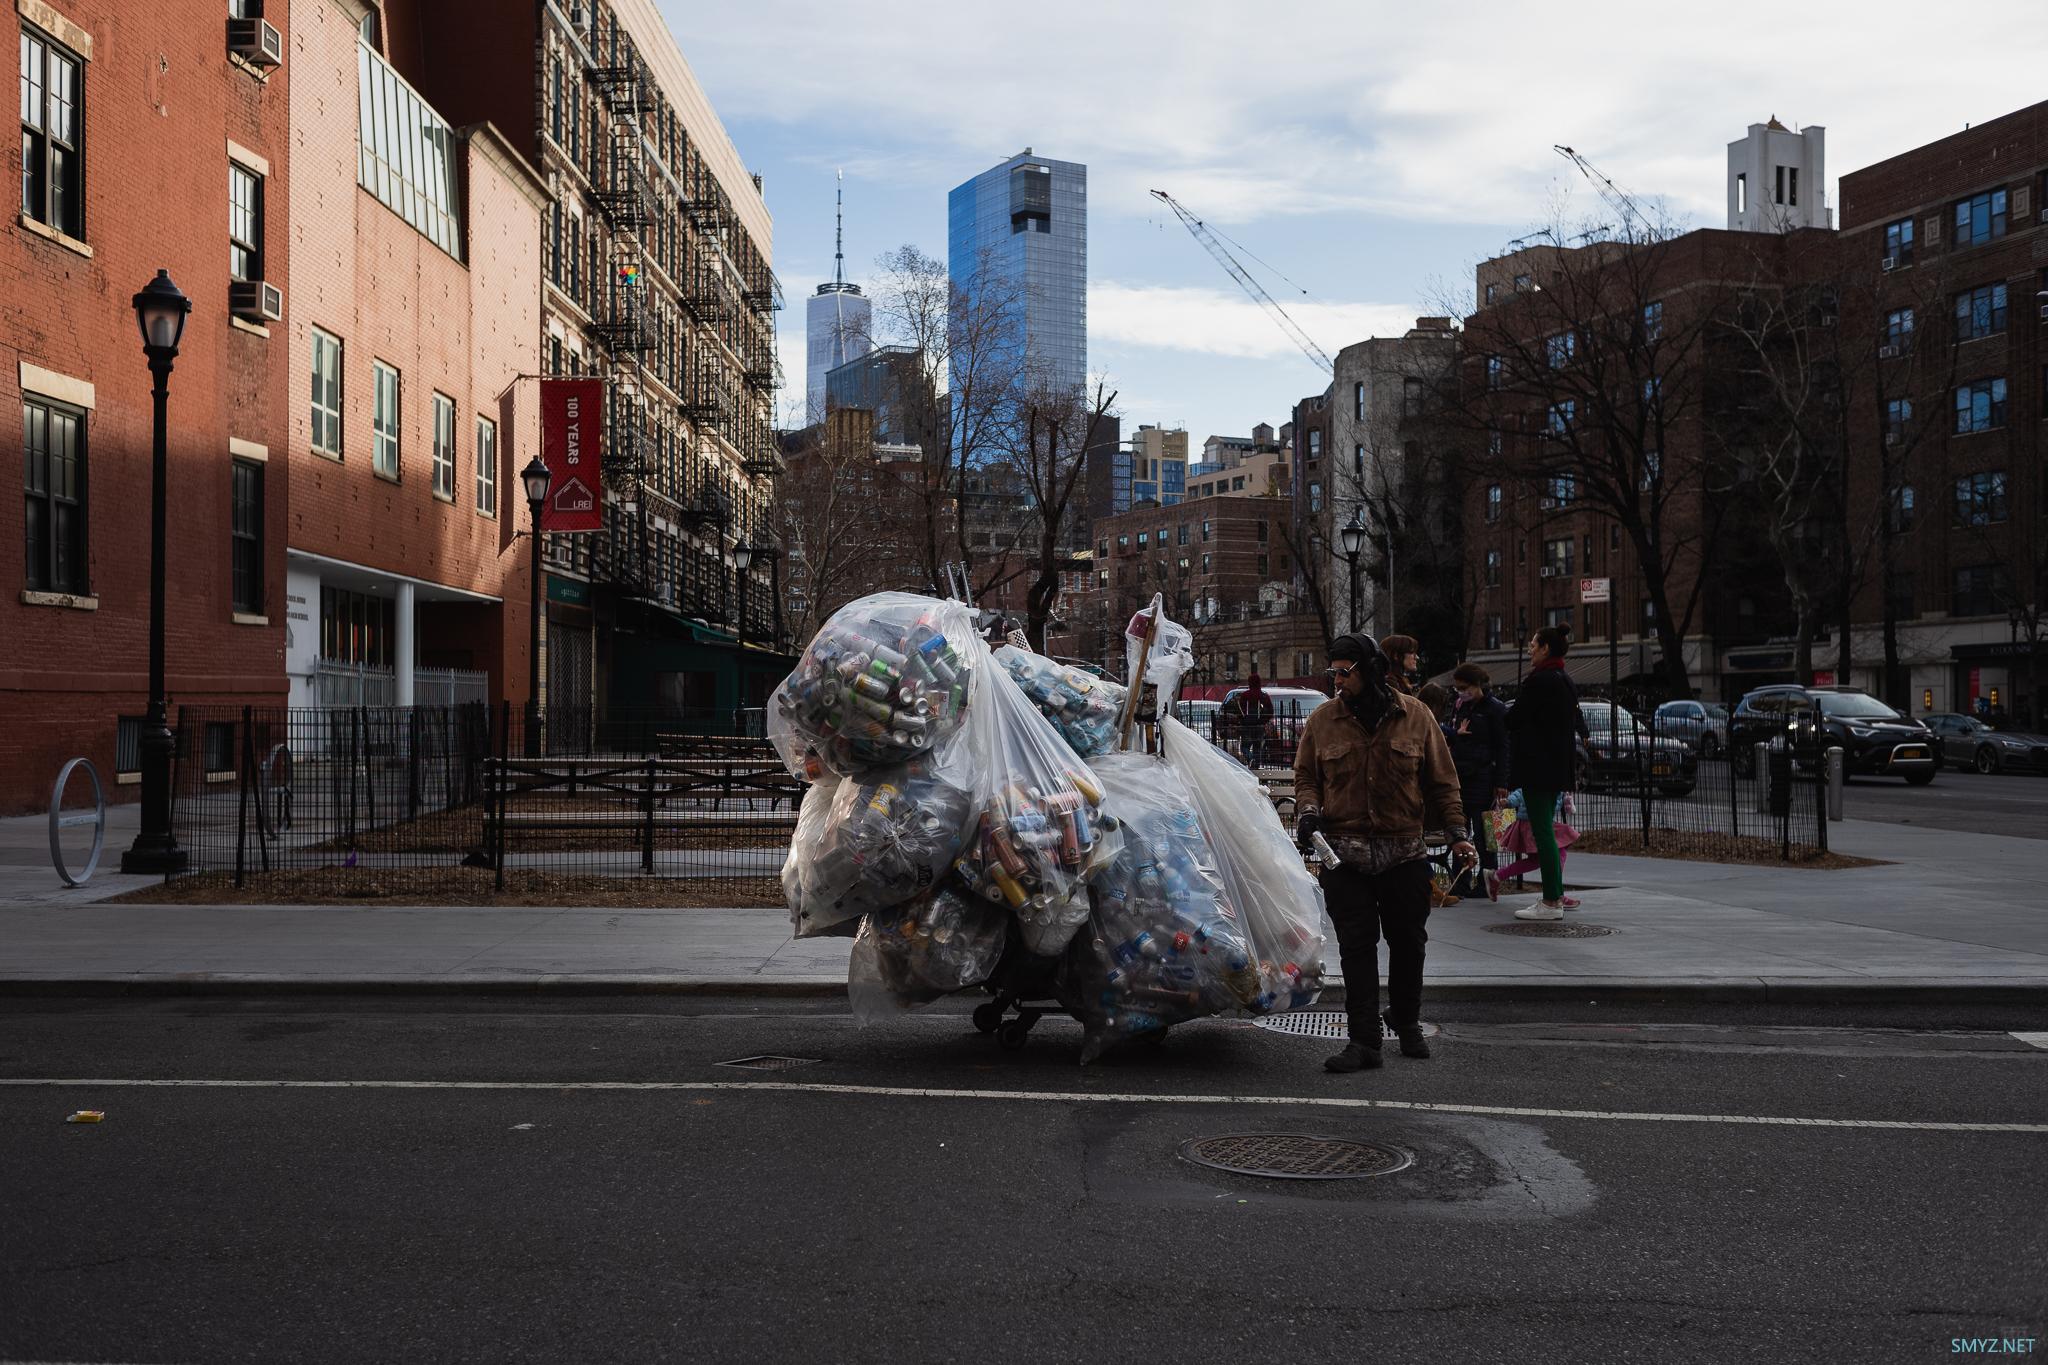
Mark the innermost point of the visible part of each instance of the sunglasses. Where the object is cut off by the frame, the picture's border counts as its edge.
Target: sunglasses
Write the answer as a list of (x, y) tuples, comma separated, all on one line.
[(1340, 672)]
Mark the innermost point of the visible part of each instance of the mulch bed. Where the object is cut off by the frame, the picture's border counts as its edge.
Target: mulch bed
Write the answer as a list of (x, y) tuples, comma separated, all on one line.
[(434, 886), (1714, 848)]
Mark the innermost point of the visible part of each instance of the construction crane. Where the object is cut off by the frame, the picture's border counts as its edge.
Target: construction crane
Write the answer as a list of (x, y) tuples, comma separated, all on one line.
[(1614, 196), (1201, 233)]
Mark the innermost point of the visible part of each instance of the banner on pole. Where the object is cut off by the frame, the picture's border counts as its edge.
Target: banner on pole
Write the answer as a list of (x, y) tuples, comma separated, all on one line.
[(571, 444)]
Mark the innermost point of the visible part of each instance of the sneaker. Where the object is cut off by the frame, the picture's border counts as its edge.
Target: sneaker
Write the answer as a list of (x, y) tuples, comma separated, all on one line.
[(1356, 1057), (1493, 887), (1540, 910)]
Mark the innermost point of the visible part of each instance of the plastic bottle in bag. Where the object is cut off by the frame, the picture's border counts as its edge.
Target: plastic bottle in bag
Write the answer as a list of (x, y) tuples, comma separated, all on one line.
[(942, 942)]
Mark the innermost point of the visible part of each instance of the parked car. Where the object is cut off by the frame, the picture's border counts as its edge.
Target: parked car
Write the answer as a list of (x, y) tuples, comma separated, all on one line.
[(1619, 752), (1875, 739), (1291, 708), (1968, 741), (1701, 726), (1199, 716)]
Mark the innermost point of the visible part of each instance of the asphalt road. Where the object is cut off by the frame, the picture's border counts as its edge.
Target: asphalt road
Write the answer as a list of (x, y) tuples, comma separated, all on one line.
[(1037, 1211), (2014, 804)]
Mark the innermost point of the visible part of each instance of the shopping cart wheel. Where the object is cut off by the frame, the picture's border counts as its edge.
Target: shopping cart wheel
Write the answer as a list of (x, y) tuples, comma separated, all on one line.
[(1013, 1035), (988, 1018)]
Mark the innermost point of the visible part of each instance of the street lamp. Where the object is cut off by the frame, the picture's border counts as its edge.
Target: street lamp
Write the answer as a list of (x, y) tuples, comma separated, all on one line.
[(536, 476), (160, 313), (742, 560), (1353, 537)]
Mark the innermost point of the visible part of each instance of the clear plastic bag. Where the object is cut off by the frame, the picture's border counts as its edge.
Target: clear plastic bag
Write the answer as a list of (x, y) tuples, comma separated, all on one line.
[(886, 679), (877, 841), (940, 943), (1164, 943), (1280, 903), (1082, 707), (1171, 655), (1042, 829)]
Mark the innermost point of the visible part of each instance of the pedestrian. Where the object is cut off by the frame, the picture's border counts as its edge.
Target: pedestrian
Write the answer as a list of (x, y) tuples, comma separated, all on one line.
[(1520, 841), (1436, 698), (1543, 730), (1254, 714), (1404, 653), (1372, 773), (1478, 735)]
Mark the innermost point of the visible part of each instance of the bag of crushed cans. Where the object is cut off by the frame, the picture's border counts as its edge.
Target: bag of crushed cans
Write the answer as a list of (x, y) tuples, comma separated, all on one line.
[(885, 680), (1164, 943), (941, 942), (1082, 707), (875, 841)]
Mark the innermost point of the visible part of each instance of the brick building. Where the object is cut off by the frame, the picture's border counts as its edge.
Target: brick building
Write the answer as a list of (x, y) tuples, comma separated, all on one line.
[(414, 310), (147, 144)]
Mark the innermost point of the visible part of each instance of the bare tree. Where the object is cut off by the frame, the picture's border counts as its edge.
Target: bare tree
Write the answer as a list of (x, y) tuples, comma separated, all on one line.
[(848, 523), (1059, 429)]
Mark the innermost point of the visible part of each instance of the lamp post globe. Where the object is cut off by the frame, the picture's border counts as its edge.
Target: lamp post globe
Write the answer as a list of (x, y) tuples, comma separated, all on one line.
[(160, 313), (535, 478), (1352, 536)]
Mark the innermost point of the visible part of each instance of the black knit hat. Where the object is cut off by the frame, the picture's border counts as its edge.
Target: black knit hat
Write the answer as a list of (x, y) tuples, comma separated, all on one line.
[(1357, 646)]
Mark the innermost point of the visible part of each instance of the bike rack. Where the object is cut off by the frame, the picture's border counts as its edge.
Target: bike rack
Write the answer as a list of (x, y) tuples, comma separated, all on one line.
[(59, 820)]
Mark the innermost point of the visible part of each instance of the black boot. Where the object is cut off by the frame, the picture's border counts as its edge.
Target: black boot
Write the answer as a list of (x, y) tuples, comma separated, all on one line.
[(1356, 1057), (1413, 1044)]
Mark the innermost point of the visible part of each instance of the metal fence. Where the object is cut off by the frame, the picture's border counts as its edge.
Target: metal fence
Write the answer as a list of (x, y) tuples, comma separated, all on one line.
[(326, 796)]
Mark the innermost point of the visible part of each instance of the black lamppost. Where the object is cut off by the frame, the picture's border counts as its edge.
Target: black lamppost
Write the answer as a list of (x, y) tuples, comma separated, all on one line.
[(160, 311), (1352, 534), (536, 476), (742, 560)]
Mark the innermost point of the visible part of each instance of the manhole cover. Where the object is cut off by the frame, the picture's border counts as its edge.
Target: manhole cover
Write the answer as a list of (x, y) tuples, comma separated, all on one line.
[(769, 1062), (1554, 928), (1295, 1156), (1324, 1024)]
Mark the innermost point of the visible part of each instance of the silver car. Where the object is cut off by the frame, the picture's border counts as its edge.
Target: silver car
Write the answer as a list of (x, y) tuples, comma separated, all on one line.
[(1701, 726)]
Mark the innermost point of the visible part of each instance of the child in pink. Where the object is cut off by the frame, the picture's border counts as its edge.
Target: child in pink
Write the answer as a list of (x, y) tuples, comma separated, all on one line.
[(1519, 841)]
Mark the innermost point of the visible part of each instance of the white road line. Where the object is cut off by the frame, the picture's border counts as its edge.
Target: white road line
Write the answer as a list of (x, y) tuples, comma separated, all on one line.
[(1042, 1096), (2033, 1039)]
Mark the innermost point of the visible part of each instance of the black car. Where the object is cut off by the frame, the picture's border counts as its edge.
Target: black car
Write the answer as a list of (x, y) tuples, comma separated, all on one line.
[(1968, 741), (1874, 739)]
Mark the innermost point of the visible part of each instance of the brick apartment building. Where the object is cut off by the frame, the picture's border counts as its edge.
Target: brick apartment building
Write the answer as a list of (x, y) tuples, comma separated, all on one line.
[(147, 144), (414, 312)]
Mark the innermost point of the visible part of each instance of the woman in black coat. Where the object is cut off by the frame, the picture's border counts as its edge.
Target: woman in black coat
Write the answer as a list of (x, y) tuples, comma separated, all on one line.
[(1478, 735), (1543, 731)]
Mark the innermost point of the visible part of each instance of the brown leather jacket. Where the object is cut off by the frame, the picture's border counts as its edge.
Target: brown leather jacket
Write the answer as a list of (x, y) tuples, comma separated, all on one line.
[(1393, 782)]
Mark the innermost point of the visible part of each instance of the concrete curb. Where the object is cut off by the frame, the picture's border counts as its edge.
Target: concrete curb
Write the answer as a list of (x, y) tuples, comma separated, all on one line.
[(1592, 989)]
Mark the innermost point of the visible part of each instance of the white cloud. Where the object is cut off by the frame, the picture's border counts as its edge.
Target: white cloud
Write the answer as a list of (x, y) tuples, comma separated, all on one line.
[(1227, 323)]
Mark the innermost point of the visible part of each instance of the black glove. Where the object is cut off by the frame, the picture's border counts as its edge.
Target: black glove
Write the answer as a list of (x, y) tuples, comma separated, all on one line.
[(1305, 826)]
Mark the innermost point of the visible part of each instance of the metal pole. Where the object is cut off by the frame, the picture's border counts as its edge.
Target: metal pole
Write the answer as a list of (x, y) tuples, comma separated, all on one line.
[(1351, 560), (1834, 781), (533, 646), (155, 849)]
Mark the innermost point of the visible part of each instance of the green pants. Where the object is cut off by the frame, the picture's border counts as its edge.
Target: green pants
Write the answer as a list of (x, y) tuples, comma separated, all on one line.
[(1542, 807)]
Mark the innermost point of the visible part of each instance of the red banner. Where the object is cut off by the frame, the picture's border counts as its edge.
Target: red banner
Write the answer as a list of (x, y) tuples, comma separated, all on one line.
[(571, 443)]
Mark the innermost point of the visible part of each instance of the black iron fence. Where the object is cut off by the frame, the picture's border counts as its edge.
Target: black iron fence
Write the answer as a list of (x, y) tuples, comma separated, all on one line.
[(328, 795)]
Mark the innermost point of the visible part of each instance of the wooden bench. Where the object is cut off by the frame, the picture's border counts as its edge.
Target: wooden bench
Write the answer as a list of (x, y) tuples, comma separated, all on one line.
[(680, 746)]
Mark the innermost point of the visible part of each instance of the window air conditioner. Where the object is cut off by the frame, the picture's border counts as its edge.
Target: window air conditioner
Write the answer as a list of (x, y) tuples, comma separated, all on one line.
[(1546, 572), (1827, 319), (1889, 263), (256, 301), (1887, 353), (256, 41), (1546, 502), (1892, 438), (2044, 312)]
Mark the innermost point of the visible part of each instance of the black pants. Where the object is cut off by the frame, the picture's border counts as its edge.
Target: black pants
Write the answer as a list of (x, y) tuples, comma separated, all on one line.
[(1478, 799), (1366, 907)]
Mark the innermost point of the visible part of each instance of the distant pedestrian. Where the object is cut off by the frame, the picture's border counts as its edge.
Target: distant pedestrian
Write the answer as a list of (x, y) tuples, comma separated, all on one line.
[(1436, 698), (1404, 654), (1543, 730), (1254, 715), (1478, 733)]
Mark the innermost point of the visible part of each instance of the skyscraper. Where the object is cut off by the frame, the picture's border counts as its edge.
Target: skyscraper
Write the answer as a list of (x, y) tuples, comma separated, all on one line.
[(837, 321), (1022, 226)]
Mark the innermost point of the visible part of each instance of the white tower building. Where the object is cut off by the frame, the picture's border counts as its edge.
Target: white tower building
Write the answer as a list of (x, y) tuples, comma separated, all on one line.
[(1777, 179), (837, 321)]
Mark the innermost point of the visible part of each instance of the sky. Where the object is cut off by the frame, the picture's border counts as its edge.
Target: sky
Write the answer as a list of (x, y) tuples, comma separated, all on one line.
[(1369, 155)]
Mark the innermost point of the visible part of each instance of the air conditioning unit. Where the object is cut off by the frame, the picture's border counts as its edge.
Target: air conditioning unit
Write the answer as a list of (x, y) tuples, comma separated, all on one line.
[(1892, 438), (1546, 502), (1827, 319), (256, 301), (1889, 263), (1887, 353), (2044, 312), (256, 41), (1546, 572)]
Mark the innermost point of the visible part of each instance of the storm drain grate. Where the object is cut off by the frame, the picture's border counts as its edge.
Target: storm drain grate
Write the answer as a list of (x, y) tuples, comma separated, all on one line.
[(1295, 1156), (1555, 928), (770, 1061), (1324, 1024)]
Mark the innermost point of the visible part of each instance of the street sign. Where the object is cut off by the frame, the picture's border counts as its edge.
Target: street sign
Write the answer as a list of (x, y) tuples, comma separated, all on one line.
[(1594, 589)]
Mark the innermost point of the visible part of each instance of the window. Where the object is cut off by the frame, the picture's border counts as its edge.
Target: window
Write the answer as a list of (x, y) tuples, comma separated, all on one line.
[(1980, 406), (1559, 350), (1205, 537), (1558, 616), (1493, 568), (245, 529), (1980, 218), (1522, 282), (1979, 590), (1562, 490), (1898, 330), (1557, 557), (369, 28), (1206, 561), (444, 447), (245, 223), (1492, 292), (1413, 395), (52, 131), (1614, 539), (1230, 666), (1521, 621), (1358, 463), (406, 153), (1262, 532), (1141, 538), (1980, 312), (1898, 414), (1898, 242), (1493, 631), (326, 394), (1653, 321), (1521, 553), (1315, 497), (384, 420), (1102, 579), (1180, 534), (1496, 371), (1358, 401), (1493, 443), (1315, 444), (1123, 542), (1902, 508), (1561, 417), (53, 459), (1653, 469), (1980, 499), (1899, 595), (1742, 192), (1493, 502), (1264, 560), (356, 628), (1237, 485)]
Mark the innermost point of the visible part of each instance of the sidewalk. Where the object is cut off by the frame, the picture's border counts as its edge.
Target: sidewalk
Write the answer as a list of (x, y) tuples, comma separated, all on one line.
[(1954, 914)]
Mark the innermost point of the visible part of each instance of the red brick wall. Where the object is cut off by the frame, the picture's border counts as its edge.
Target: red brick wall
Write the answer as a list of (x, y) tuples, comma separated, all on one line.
[(161, 100)]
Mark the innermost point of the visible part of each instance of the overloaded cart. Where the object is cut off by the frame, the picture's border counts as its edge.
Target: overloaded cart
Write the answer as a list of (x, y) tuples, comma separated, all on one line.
[(981, 819)]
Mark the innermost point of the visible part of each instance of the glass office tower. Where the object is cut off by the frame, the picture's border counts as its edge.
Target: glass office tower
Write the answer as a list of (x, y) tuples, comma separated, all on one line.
[(1026, 221)]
